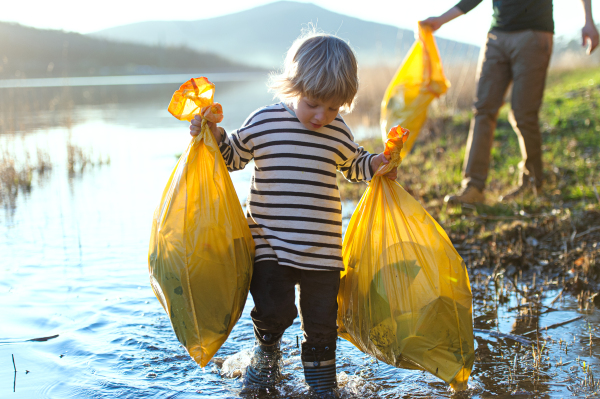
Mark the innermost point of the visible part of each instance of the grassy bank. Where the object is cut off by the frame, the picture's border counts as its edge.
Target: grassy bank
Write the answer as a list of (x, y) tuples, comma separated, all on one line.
[(554, 233)]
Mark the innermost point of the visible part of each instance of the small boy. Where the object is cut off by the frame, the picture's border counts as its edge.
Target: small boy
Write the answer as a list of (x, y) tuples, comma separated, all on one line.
[(294, 208)]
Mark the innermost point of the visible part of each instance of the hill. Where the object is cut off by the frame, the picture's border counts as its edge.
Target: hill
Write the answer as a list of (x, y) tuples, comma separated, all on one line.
[(260, 36), (30, 52)]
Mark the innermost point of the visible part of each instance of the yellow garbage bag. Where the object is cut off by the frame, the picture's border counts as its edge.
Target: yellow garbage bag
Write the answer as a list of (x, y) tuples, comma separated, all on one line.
[(417, 82), (201, 249), (405, 296)]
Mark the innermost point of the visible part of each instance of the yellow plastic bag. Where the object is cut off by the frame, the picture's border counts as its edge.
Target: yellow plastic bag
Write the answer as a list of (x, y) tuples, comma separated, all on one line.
[(417, 82), (405, 296), (201, 249)]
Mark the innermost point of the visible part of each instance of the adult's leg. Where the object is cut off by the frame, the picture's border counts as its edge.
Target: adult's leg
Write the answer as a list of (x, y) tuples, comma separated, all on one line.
[(273, 291), (530, 56), (494, 76), (318, 314)]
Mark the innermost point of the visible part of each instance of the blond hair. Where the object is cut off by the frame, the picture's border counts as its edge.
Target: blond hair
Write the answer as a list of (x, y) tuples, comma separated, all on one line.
[(319, 66)]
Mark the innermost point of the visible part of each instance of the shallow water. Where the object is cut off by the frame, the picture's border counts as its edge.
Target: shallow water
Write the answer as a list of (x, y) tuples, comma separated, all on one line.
[(74, 253)]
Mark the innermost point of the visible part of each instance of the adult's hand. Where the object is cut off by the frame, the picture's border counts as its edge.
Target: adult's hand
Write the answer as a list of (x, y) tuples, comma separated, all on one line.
[(436, 22), (589, 37), (433, 22)]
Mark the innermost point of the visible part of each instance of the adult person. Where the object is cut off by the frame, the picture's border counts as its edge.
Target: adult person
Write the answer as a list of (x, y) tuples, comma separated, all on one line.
[(517, 50)]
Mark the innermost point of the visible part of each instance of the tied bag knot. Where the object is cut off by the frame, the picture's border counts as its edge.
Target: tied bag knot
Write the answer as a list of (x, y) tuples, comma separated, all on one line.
[(210, 113), (396, 138)]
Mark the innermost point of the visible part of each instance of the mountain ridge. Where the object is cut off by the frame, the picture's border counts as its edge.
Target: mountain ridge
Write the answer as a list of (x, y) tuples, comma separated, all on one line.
[(260, 36), (30, 52)]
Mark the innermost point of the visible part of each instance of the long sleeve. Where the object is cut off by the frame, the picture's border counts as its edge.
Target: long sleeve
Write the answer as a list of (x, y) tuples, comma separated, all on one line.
[(467, 5), (358, 167), (235, 152)]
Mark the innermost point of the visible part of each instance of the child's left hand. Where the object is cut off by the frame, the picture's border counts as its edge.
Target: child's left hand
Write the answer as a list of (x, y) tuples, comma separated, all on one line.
[(381, 159)]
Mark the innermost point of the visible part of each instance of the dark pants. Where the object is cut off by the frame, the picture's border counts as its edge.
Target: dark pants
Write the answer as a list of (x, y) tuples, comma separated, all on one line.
[(273, 290)]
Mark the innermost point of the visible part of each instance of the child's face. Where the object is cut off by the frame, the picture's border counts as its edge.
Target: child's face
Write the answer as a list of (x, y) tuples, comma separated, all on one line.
[(315, 114)]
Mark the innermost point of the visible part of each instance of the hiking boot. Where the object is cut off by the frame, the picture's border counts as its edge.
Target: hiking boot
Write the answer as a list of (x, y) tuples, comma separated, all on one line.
[(264, 370), (526, 188), (467, 195), (319, 370)]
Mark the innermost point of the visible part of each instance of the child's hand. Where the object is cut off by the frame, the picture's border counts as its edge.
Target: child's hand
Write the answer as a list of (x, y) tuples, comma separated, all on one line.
[(382, 159), (196, 127)]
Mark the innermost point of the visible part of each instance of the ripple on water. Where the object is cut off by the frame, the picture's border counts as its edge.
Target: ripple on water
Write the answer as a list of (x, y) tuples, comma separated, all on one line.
[(58, 389)]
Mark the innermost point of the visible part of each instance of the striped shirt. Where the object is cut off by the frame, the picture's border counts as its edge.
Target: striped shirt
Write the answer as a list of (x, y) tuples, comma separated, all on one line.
[(294, 209)]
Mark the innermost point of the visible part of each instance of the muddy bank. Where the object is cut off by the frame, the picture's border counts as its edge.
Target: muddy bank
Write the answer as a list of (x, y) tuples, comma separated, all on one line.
[(560, 247)]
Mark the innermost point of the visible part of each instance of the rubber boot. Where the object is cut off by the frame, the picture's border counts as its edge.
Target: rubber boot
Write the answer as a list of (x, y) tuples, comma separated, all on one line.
[(264, 370), (319, 369)]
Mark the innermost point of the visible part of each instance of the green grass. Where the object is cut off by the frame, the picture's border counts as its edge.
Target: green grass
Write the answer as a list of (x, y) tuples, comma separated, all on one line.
[(571, 134)]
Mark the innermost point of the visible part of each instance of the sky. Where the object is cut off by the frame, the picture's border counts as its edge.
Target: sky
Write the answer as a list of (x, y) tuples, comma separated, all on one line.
[(85, 17)]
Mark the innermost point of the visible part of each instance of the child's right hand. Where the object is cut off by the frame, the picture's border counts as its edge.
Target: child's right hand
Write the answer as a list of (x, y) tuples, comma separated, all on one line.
[(196, 127)]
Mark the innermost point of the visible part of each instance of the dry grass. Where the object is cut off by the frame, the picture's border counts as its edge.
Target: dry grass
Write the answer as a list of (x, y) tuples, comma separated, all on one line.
[(13, 179), (374, 81), (16, 176), (79, 158), (19, 170), (17, 173), (461, 94)]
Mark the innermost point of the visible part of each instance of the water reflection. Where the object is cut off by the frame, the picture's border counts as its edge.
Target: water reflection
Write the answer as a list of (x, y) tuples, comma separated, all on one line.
[(74, 265), (126, 80), (24, 110)]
